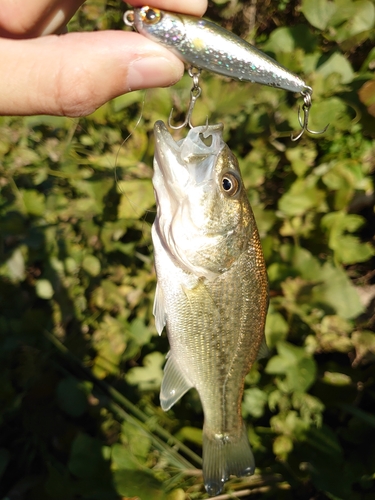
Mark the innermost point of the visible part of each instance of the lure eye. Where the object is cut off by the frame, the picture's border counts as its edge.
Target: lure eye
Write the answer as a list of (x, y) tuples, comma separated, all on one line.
[(230, 184), (150, 15)]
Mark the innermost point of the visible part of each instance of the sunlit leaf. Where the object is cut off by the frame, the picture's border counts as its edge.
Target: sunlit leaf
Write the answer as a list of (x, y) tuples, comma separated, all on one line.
[(150, 375), (137, 196), (91, 264), (337, 63), (254, 402), (297, 366), (44, 289), (318, 12), (338, 293), (34, 202)]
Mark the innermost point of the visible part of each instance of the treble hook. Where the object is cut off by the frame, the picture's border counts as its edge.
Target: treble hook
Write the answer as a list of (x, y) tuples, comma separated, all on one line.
[(306, 94), (195, 92)]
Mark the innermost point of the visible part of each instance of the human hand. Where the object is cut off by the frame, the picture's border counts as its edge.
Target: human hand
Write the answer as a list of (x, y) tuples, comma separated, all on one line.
[(75, 73)]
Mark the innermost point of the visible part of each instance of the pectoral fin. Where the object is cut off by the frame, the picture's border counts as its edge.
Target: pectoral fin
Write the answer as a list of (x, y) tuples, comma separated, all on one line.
[(159, 311), (174, 385)]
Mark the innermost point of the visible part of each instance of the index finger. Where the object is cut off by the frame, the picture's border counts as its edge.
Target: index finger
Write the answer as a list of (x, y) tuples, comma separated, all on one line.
[(19, 19), (192, 7)]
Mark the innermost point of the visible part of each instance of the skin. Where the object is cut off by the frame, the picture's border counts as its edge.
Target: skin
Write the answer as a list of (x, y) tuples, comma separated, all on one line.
[(46, 72)]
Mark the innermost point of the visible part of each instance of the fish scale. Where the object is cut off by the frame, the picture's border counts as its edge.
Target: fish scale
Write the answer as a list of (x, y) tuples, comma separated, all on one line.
[(212, 296)]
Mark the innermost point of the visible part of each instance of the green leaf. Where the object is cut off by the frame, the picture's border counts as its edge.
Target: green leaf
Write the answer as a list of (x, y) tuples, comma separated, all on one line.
[(288, 39), (137, 442), (366, 417), (336, 378), (91, 264), (276, 328), (139, 332), (339, 65), (44, 289), (16, 265), (301, 197), (364, 343), (254, 402), (34, 202), (191, 434), (282, 446), (71, 397), (337, 292), (128, 99), (297, 366), (348, 249), (137, 196), (58, 485), (301, 159), (318, 12), (150, 375), (86, 457), (353, 18), (122, 459), (131, 483)]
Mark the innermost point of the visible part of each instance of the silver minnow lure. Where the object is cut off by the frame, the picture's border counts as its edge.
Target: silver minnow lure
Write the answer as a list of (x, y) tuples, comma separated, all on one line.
[(212, 291), (205, 45)]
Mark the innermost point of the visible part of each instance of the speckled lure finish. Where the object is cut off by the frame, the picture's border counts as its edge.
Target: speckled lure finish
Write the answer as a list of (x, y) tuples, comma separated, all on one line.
[(206, 45)]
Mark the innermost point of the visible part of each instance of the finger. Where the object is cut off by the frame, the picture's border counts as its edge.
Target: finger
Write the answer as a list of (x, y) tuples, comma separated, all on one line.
[(192, 7), (74, 74), (39, 17)]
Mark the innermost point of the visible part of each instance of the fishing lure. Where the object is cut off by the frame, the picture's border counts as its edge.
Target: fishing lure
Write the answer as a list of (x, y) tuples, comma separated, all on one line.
[(205, 45)]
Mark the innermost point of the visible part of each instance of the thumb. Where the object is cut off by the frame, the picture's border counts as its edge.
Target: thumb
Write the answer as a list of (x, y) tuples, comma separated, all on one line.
[(74, 74)]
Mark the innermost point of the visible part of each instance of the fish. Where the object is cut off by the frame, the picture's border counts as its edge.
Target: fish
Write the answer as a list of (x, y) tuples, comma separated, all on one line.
[(212, 289), (206, 45)]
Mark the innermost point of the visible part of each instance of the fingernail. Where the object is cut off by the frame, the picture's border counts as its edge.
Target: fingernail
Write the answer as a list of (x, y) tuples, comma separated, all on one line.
[(153, 72)]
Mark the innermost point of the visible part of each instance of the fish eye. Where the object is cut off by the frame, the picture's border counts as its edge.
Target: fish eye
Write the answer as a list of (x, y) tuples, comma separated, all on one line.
[(230, 184), (149, 15)]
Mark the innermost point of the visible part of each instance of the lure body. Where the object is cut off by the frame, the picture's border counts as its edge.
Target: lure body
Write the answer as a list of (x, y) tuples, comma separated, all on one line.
[(205, 45)]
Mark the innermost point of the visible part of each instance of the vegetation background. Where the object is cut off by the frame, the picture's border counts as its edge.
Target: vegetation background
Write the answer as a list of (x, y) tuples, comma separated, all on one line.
[(81, 362)]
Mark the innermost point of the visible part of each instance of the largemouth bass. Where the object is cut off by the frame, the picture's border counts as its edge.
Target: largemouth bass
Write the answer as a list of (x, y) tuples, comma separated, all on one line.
[(212, 292)]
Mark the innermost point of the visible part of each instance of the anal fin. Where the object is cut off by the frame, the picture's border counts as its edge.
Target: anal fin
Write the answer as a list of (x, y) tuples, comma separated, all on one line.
[(174, 384)]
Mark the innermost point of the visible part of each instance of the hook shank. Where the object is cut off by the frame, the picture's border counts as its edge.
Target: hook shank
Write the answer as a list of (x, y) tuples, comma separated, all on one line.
[(195, 93), (307, 103)]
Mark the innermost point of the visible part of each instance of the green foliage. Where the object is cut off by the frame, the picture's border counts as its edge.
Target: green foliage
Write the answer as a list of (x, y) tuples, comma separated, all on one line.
[(81, 359)]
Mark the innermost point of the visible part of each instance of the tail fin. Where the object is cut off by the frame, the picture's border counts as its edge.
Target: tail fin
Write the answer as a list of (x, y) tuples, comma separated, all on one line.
[(223, 456)]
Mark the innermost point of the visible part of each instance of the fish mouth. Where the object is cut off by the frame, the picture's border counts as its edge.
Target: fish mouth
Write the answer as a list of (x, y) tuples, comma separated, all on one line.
[(167, 157), (188, 160), (163, 139)]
